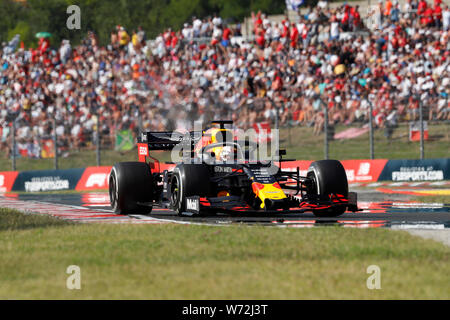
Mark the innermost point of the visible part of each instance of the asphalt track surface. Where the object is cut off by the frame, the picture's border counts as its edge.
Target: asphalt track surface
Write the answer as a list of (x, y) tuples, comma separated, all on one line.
[(379, 210)]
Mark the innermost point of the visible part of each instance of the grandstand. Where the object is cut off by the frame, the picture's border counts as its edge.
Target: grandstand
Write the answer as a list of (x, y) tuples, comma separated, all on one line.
[(282, 72)]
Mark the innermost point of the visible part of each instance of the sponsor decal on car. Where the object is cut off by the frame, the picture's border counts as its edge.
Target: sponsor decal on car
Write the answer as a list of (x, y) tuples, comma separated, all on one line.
[(143, 150), (223, 169), (193, 204)]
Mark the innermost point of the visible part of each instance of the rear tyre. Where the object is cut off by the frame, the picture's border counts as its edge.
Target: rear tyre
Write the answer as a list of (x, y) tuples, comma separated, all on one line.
[(328, 177), (130, 183), (188, 180)]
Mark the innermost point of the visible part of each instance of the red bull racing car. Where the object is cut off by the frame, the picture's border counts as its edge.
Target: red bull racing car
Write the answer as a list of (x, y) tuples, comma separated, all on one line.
[(216, 176)]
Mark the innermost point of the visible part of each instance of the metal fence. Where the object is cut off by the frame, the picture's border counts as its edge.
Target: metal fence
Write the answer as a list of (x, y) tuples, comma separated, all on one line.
[(388, 128), (52, 144), (423, 132), (418, 131)]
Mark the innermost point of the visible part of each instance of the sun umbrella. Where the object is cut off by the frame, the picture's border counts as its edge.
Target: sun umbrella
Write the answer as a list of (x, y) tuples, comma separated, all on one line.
[(43, 35)]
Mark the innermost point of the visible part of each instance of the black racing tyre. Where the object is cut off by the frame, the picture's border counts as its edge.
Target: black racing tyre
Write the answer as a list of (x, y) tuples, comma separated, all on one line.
[(188, 180), (130, 183), (328, 177)]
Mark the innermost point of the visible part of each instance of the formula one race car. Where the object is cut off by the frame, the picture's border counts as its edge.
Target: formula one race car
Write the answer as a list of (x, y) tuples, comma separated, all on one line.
[(219, 178)]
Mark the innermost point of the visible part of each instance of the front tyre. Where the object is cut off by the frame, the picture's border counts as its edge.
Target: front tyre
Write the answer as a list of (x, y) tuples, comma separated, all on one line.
[(188, 180), (328, 177), (130, 185)]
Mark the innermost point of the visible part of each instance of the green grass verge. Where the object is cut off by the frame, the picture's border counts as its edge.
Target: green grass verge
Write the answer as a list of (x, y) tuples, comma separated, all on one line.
[(430, 199), (299, 141), (13, 220), (202, 262), (303, 145)]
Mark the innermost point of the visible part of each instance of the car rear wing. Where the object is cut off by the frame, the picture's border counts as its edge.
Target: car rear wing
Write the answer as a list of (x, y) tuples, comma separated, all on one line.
[(167, 140)]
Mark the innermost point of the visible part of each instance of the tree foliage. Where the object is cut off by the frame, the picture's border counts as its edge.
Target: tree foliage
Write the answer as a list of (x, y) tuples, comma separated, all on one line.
[(32, 16)]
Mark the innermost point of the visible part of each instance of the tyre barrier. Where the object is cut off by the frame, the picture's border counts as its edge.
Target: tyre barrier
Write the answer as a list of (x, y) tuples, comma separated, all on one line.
[(358, 171)]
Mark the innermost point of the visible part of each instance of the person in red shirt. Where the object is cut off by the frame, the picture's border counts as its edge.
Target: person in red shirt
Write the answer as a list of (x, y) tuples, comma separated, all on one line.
[(437, 13), (34, 55), (168, 38), (395, 42), (346, 17), (402, 40), (428, 15), (421, 7), (356, 18), (174, 40), (257, 21), (44, 44), (260, 40), (226, 35), (286, 32), (294, 35)]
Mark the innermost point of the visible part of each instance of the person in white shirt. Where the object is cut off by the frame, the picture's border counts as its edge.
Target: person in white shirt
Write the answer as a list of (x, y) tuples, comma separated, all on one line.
[(322, 4), (406, 9), (196, 25), (334, 30), (446, 19), (187, 32), (217, 21), (217, 33)]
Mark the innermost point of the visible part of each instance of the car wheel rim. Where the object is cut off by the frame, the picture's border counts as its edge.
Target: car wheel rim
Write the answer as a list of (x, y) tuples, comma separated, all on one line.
[(175, 191), (112, 190), (314, 188)]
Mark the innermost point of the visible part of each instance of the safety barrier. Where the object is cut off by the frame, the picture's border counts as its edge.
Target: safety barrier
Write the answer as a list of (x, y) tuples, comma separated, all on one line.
[(96, 178)]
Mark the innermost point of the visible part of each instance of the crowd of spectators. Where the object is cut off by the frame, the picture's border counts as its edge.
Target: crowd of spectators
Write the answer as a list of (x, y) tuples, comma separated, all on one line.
[(390, 57)]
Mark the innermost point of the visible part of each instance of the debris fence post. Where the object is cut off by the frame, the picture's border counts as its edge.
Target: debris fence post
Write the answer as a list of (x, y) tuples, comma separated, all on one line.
[(325, 129), (422, 152), (372, 152), (13, 144), (98, 142), (55, 142), (274, 105), (276, 117)]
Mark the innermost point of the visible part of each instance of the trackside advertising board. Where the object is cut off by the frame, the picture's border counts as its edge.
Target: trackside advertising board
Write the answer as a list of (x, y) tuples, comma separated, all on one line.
[(7, 180), (96, 178), (416, 170), (357, 170), (47, 180)]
